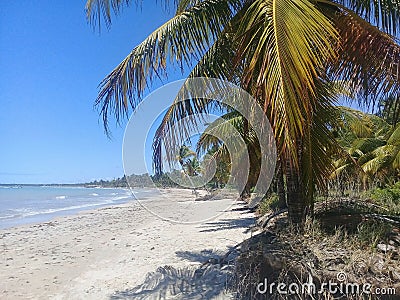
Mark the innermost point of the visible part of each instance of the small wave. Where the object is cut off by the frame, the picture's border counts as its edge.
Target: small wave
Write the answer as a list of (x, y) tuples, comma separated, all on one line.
[(22, 213), (55, 210), (10, 216), (94, 194), (120, 197)]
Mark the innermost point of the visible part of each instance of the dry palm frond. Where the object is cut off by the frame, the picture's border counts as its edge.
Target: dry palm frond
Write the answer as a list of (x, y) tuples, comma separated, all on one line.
[(384, 13), (369, 59)]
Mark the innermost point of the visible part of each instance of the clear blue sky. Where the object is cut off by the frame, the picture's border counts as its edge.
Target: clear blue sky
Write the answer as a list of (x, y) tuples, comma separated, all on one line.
[(51, 63)]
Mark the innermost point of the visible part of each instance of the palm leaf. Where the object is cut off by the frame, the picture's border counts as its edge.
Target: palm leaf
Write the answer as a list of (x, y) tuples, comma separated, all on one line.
[(394, 138), (383, 159), (369, 59), (384, 13), (96, 9), (181, 39), (184, 5), (358, 122), (396, 161), (283, 58)]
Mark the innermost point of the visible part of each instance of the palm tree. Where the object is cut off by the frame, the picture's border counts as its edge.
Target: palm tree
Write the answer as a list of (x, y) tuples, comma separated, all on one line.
[(372, 148), (390, 109), (208, 140), (283, 52), (190, 165), (185, 153)]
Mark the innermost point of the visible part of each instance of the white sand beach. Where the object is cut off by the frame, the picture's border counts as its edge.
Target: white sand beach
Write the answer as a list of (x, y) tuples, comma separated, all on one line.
[(105, 253)]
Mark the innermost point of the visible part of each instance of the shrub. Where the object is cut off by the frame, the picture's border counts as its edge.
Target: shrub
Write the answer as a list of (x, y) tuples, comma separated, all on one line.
[(268, 204), (388, 197)]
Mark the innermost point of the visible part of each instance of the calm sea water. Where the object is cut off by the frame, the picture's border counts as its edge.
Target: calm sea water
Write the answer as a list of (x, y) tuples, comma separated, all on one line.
[(22, 205)]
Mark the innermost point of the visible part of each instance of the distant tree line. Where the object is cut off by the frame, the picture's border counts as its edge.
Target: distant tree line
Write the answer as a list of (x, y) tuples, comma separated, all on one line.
[(141, 181)]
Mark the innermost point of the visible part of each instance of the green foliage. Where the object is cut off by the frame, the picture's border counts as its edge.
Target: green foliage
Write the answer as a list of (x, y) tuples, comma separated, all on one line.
[(388, 194), (371, 151), (388, 197), (373, 232), (115, 183), (269, 204), (163, 181)]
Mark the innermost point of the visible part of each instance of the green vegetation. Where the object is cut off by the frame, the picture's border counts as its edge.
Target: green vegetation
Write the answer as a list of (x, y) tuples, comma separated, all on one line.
[(135, 181), (142, 180), (269, 204), (390, 194), (388, 197)]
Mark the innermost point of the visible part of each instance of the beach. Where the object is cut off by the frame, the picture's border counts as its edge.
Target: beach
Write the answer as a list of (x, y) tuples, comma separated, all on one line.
[(106, 253)]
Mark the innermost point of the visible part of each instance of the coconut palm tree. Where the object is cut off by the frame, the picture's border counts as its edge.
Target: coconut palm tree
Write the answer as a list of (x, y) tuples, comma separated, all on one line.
[(208, 140), (185, 153), (372, 148), (390, 109), (283, 52), (190, 167)]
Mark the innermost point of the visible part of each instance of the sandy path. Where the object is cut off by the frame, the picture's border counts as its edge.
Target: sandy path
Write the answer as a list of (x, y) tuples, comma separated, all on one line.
[(95, 254)]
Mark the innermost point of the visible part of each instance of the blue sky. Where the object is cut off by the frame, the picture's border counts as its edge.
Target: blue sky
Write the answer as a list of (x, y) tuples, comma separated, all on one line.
[(52, 62)]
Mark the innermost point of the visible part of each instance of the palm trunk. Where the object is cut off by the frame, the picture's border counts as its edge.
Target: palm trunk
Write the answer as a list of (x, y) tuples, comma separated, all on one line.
[(296, 201), (246, 191), (280, 186)]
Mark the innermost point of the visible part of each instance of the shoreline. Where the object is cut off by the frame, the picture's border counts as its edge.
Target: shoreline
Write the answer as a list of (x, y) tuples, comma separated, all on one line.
[(70, 209), (97, 253)]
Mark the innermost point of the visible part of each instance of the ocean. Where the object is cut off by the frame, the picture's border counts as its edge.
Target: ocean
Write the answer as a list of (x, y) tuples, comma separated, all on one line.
[(32, 204)]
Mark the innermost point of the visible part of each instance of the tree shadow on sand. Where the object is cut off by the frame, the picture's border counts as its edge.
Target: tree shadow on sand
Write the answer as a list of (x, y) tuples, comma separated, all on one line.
[(245, 223), (181, 283), (209, 280), (203, 256)]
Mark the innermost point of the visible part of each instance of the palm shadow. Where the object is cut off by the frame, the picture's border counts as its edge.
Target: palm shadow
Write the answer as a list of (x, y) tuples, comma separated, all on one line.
[(167, 282), (245, 223), (210, 280)]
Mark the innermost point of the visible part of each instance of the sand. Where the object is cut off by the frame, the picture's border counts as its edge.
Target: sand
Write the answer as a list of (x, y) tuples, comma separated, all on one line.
[(107, 253)]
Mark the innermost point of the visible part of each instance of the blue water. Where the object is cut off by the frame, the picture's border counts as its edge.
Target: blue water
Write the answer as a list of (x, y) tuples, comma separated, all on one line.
[(22, 205)]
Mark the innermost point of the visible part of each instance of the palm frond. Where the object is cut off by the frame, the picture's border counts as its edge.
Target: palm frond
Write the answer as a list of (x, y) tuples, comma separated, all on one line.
[(181, 39), (319, 144), (283, 59), (184, 5), (394, 138), (383, 158), (390, 108), (396, 162), (98, 9), (384, 13), (356, 121), (369, 59), (340, 169), (365, 145)]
